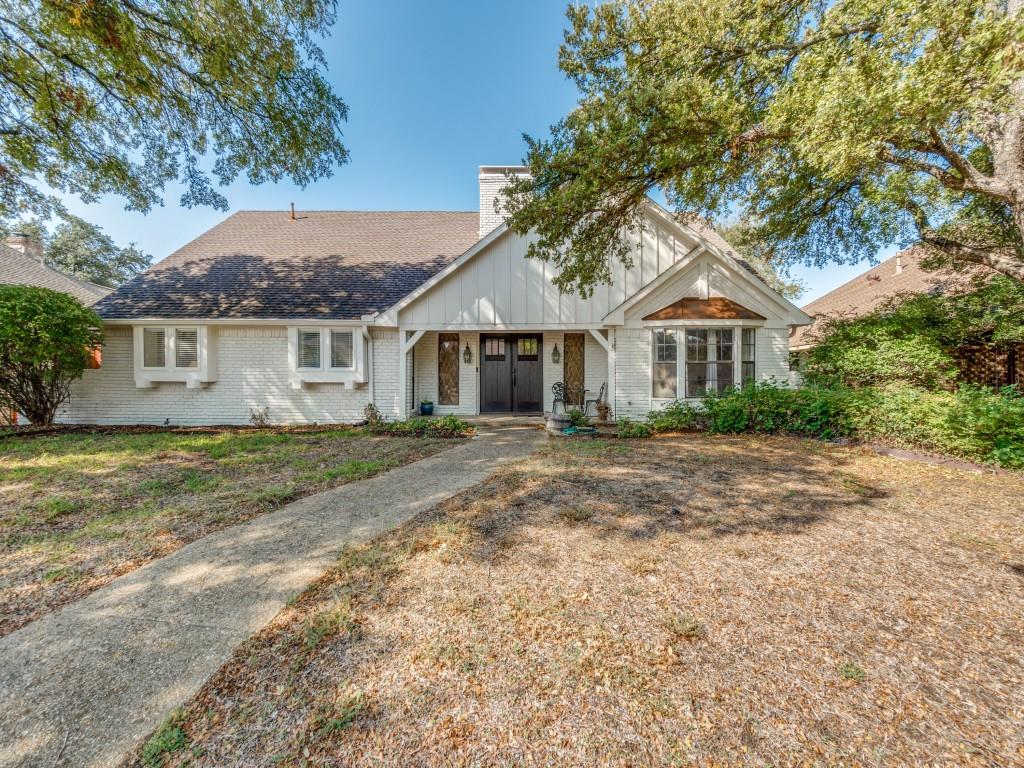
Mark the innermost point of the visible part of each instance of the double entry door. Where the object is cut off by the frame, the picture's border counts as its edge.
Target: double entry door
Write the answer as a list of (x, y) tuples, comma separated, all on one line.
[(511, 373)]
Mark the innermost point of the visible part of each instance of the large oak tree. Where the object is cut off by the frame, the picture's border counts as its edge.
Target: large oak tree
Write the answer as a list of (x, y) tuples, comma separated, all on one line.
[(838, 126), (124, 96)]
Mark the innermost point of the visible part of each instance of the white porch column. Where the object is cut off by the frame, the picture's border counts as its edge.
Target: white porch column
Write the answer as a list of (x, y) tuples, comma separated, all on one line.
[(405, 346), (402, 361), (611, 370)]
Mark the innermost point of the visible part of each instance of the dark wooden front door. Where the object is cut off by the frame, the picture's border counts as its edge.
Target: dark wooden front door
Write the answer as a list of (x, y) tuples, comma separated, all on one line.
[(511, 374)]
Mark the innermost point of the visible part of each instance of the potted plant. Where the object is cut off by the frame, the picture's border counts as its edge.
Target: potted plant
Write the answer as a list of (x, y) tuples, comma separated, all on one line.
[(426, 407)]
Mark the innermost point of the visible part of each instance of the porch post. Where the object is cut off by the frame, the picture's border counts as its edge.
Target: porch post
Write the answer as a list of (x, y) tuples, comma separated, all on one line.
[(402, 360), (611, 371)]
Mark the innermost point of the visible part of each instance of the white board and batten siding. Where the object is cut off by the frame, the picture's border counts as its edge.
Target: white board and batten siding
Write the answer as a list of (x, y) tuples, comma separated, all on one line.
[(501, 288)]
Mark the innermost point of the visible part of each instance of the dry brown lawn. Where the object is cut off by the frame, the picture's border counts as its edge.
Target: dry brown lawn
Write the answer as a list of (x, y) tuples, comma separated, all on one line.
[(685, 601), (78, 509)]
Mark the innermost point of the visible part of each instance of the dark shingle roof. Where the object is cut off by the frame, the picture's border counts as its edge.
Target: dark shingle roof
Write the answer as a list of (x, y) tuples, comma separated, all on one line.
[(18, 269), (322, 265)]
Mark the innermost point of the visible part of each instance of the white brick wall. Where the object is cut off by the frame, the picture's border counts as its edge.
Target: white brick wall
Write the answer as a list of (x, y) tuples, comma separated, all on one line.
[(252, 363), (632, 373), (633, 366), (426, 374), (552, 372), (252, 373), (491, 185)]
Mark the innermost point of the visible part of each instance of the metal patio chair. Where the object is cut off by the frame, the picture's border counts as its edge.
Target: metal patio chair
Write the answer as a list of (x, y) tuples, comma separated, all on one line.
[(594, 401)]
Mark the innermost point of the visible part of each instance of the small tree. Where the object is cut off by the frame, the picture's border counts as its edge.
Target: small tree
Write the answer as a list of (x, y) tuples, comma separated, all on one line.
[(46, 339)]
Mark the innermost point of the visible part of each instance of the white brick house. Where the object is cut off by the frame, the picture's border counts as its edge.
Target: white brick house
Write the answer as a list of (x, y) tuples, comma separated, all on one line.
[(316, 316)]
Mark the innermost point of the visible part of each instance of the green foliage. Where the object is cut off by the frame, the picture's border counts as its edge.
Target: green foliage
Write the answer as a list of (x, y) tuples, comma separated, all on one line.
[(765, 407), (768, 262), (79, 248), (627, 428), (83, 250), (121, 98), (419, 426), (834, 128), (677, 416), (577, 417), (909, 339), (168, 739), (45, 341), (851, 670), (975, 423)]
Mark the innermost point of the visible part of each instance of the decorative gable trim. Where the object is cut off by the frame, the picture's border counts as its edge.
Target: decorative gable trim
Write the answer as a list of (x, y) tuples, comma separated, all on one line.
[(714, 308)]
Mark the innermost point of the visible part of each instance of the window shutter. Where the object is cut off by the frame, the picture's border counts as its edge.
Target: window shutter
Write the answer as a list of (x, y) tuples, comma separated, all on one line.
[(309, 349), (153, 348), (341, 349), (186, 348)]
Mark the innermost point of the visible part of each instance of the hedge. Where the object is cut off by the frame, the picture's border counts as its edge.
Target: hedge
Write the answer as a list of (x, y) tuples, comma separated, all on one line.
[(972, 422)]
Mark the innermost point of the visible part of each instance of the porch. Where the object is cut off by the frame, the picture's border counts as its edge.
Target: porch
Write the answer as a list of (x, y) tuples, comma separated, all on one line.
[(500, 374)]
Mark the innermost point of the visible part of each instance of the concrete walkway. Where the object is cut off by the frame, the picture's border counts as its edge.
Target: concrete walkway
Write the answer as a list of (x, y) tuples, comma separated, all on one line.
[(82, 686)]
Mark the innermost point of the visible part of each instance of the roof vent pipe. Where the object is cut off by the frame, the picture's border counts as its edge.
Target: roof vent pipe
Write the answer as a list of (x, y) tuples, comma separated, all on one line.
[(899, 263), (293, 211)]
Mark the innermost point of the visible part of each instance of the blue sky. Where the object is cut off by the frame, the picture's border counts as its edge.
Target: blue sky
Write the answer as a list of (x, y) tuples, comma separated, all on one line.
[(434, 90)]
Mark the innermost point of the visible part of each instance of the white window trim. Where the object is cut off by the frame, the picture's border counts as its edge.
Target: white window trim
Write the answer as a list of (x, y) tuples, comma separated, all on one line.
[(681, 328), (357, 373), (204, 373)]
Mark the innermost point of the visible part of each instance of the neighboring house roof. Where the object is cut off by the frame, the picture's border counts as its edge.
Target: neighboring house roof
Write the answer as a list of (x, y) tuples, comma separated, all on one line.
[(16, 268), (901, 274), (321, 265)]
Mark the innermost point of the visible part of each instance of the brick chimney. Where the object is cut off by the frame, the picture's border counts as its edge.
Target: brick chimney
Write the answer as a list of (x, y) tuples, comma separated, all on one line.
[(492, 180), (27, 244)]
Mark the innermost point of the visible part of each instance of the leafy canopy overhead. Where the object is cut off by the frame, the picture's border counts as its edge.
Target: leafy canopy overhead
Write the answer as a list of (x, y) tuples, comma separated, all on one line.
[(123, 96), (838, 127), (46, 339)]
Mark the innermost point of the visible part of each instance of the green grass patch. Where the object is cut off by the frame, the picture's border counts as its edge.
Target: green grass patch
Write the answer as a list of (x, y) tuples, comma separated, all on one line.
[(168, 739)]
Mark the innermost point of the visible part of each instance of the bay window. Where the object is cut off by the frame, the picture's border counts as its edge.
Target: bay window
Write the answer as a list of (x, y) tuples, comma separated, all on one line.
[(711, 360)]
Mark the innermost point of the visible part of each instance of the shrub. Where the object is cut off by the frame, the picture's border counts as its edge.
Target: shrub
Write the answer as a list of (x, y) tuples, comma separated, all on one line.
[(909, 338), (628, 428), (418, 426), (674, 417), (46, 340), (765, 407), (576, 417), (973, 422)]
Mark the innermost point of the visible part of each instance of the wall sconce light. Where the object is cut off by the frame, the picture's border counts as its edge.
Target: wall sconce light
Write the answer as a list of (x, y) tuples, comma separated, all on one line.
[(556, 356), (467, 356)]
